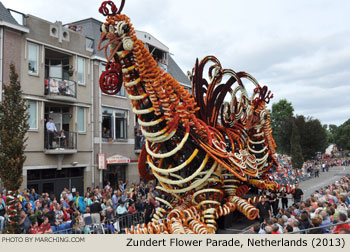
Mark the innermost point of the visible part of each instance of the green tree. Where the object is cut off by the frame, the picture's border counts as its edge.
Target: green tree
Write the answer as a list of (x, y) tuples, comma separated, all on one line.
[(281, 117), (333, 129), (313, 136), (13, 129), (296, 152), (342, 136), (330, 137)]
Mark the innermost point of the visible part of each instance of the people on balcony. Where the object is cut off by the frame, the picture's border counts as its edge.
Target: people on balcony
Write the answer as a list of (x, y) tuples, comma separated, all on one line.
[(51, 131), (62, 139), (54, 86), (63, 87)]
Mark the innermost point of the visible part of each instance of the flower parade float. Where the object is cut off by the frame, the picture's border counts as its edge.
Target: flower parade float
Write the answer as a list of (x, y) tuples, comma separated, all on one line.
[(205, 151)]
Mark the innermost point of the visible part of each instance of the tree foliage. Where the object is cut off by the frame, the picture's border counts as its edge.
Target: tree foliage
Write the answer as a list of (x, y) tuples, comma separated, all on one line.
[(313, 136), (281, 116), (332, 131), (342, 136), (13, 129), (296, 151)]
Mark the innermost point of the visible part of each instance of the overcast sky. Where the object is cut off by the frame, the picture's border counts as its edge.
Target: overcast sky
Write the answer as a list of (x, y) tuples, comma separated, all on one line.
[(299, 49)]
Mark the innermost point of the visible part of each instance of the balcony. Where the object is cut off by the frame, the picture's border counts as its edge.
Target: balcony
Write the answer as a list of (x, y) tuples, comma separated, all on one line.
[(60, 90), (60, 143)]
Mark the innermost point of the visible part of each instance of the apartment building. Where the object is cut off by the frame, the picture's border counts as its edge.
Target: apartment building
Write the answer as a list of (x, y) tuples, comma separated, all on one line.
[(59, 66), (11, 33), (56, 80)]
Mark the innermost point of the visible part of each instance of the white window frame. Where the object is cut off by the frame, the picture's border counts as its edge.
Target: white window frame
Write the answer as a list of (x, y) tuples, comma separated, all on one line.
[(81, 83), (37, 59), (84, 113), (36, 119), (121, 89), (125, 123), (113, 124)]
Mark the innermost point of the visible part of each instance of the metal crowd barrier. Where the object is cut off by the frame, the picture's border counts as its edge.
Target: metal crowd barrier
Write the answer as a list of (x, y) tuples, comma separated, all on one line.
[(126, 221), (119, 224), (306, 231)]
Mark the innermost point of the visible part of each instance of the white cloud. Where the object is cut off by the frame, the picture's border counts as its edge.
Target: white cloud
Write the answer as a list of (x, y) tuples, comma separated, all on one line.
[(300, 49)]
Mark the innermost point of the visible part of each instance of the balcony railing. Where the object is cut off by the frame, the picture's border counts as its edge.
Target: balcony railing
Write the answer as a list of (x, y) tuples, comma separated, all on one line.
[(59, 87), (60, 141)]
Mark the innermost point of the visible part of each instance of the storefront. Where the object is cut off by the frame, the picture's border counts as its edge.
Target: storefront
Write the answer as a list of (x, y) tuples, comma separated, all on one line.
[(116, 170), (52, 181)]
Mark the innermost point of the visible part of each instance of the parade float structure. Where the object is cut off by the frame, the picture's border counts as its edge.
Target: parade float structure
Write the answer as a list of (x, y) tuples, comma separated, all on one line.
[(205, 152)]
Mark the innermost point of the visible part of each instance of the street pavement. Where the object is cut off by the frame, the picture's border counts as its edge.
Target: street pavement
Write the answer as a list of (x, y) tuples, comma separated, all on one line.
[(326, 178), (308, 186)]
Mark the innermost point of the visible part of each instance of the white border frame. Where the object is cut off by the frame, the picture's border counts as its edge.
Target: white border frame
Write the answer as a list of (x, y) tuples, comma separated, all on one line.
[(37, 59), (84, 113), (37, 116), (84, 80)]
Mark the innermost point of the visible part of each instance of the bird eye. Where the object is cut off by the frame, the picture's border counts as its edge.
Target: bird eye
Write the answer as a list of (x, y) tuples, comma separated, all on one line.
[(126, 28)]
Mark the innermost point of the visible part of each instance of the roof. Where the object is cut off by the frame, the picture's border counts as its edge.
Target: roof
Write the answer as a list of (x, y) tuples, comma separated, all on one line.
[(7, 20), (91, 29), (175, 71), (87, 20), (6, 16), (146, 37)]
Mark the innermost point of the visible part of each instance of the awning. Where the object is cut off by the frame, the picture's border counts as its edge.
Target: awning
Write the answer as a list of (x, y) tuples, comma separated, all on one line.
[(117, 159)]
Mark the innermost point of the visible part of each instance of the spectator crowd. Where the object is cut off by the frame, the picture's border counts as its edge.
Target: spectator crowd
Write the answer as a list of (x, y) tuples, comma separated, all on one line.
[(286, 174), (44, 213), (327, 206)]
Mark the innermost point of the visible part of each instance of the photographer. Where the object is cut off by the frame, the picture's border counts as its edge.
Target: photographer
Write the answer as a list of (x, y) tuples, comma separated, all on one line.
[(2, 214)]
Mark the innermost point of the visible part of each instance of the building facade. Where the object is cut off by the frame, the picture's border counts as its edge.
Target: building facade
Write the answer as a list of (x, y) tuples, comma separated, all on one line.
[(97, 137)]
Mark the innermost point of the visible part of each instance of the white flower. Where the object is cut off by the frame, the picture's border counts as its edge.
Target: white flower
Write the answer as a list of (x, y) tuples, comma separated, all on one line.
[(128, 44)]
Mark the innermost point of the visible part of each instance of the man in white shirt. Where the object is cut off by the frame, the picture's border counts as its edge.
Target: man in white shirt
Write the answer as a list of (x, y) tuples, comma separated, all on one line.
[(121, 209), (51, 130)]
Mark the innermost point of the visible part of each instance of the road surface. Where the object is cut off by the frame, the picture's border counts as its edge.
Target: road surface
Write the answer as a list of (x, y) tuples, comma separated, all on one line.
[(326, 178)]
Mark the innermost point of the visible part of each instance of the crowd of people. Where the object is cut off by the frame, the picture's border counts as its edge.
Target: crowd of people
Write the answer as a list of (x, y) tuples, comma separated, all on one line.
[(286, 174), (42, 214), (328, 205)]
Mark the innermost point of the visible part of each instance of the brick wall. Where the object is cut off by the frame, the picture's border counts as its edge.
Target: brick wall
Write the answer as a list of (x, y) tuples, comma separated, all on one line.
[(12, 53)]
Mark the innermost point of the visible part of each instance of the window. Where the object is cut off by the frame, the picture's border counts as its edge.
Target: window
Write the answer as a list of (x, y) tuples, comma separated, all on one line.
[(81, 119), (76, 172), (33, 51), (81, 70), (121, 92), (33, 175), (89, 43), (114, 123), (107, 123), (32, 110), (120, 125), (57, 68)]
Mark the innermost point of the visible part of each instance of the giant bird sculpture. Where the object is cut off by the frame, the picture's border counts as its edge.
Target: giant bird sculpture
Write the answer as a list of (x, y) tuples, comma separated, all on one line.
[(205, 151)]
